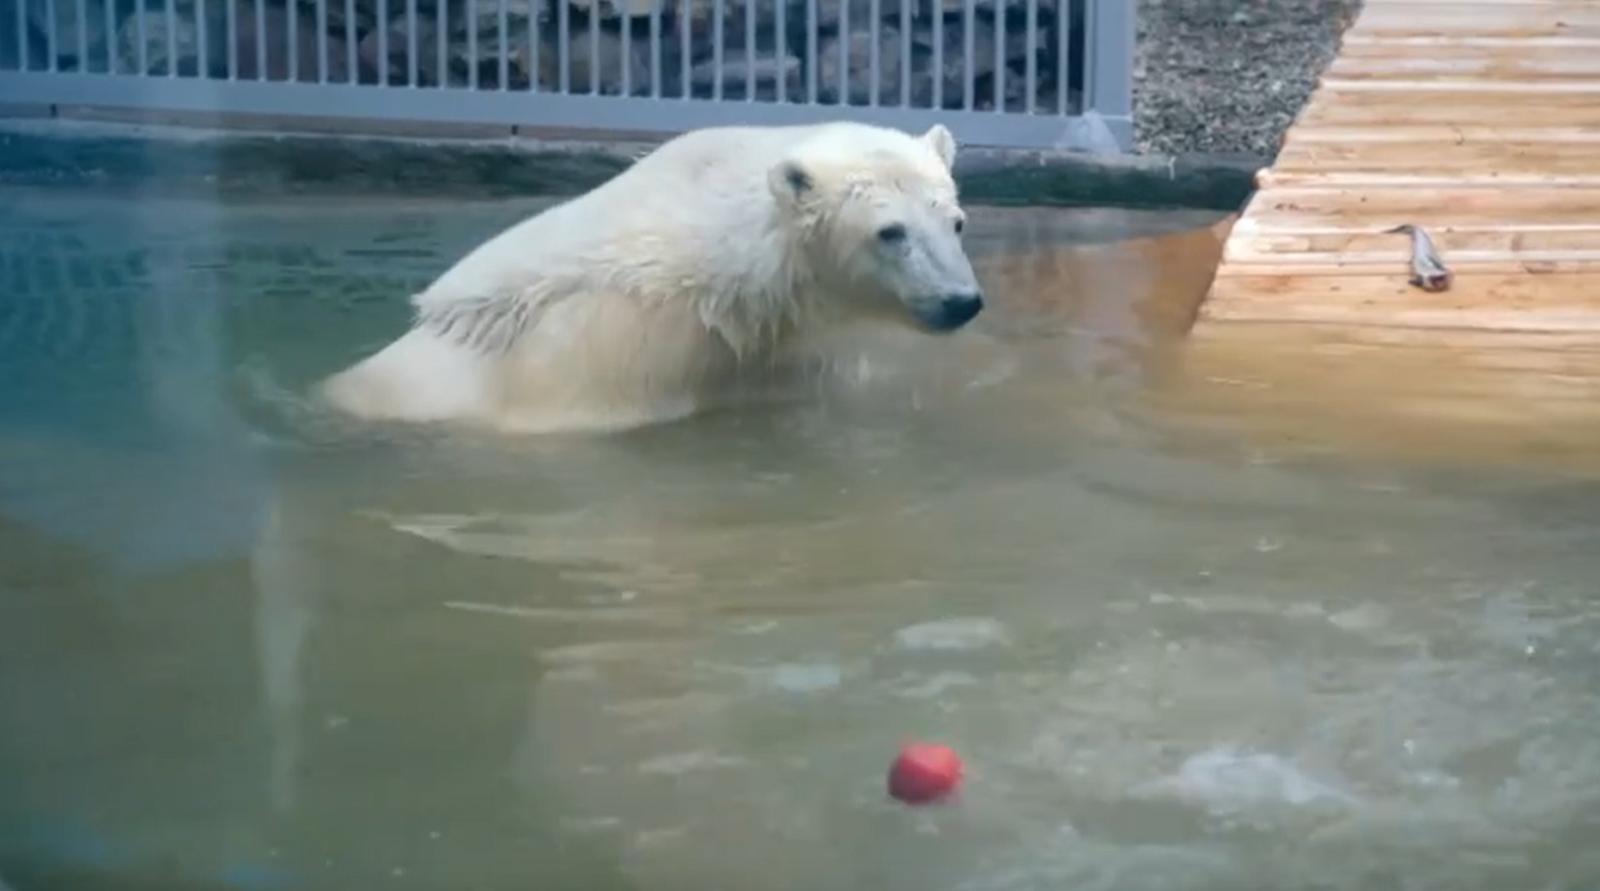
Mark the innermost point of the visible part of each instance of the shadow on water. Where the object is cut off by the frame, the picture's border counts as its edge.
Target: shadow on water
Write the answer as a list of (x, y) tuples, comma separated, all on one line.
[(248, 645)]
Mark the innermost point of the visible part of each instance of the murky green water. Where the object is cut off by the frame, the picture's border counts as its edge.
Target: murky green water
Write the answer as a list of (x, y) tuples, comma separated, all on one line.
[(247, 645)]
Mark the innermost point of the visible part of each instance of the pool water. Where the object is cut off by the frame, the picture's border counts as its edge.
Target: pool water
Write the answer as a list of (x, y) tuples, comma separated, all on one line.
[(247, 644)]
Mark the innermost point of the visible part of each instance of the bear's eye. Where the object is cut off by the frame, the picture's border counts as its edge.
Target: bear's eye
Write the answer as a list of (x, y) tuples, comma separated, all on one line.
[(960, 224), (892, 233)]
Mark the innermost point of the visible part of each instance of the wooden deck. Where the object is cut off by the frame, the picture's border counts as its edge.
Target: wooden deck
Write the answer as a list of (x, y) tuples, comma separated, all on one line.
[(1478, 120)]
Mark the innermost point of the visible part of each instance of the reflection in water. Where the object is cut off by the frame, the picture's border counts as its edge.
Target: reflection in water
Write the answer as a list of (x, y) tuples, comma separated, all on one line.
[(1442, 397), (251, 645)]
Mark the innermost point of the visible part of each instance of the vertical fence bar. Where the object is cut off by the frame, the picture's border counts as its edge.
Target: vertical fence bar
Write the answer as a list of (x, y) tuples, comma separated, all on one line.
[(1063, 52), (1108, 79), (442, 29), (655, 49), (352, 65), (140, 57), (384, 49), (203, 64), (291, 31), (969, 60), (412, 50), (938, 54), (685, 26), (905, 53), (22, 37), (874, 63), (322, 41), (83, 36), (261, 38), (716, 51), (1090, 18), (1031, 103), (49, 33), (169, 11), (505, 47), (533, 47), (1000, 56), (750, 49), (564, 45), (594, 47), (230, 35), (472, 43), (810, 51), (627, 47), (780, 48), (843, 38), (109, 7)]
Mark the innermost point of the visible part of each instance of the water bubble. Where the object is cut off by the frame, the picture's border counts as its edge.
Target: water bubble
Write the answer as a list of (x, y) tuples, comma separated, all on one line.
[(953, 634)]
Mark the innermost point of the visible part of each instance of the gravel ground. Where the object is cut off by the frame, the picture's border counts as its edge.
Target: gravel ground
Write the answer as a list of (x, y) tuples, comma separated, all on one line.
[(1228, 76)]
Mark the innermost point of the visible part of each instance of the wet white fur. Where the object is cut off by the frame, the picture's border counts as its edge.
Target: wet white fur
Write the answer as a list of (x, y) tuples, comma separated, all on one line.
[(637, 301)]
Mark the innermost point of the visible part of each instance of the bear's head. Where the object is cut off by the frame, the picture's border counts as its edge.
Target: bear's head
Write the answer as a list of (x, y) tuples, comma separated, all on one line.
[(876, 215)]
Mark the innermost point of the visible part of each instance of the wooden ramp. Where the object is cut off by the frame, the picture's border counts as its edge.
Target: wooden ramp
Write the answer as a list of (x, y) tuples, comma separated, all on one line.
[(1478, 120)]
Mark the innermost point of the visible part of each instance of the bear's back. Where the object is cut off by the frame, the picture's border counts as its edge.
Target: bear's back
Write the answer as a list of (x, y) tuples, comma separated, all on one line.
[(696, 194)]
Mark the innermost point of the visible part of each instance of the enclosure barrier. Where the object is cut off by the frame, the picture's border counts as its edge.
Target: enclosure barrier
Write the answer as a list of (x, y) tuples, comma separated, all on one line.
[(1023, 73)]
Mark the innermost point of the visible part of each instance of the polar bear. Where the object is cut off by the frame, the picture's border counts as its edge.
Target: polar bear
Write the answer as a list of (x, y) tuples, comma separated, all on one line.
[(712, 257)]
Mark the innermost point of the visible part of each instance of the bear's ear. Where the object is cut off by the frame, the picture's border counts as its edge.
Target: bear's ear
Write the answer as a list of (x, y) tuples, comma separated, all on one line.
[(790, 183), (943, 144)]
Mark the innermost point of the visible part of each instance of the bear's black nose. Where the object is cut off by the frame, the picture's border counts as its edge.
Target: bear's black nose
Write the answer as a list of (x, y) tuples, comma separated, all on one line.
[(956, 310)]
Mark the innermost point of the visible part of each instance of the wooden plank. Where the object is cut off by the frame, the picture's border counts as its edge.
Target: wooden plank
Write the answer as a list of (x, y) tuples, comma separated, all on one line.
[(1390, 266), (1429, 134), (1504, 302), (1358, 44), (1415, 3), (1263, 245), (1439, 90), (1410, 97), (1464, 209), (1442, 46), (1471, 63), (1491, 159), (1499, 19), (1463, 110), (1477, 179), (1477, 120)]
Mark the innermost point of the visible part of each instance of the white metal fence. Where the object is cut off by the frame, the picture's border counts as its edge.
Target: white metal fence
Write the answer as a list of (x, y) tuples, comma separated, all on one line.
[(1030, 73)]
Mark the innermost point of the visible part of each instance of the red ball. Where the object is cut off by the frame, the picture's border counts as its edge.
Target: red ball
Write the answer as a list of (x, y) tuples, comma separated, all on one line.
[(924, 773)]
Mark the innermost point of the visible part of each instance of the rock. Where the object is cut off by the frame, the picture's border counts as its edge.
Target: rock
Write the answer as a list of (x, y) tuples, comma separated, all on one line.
[(829, 78), (1047, 8), (488, 55), (1016, 49), (860, 13), (953, 71), (616, 9), (735, 76), (184, 45), (921, 11), (275, 28), (67, 30), (581, 57), (276, 22), (397, 68), (517, 12)]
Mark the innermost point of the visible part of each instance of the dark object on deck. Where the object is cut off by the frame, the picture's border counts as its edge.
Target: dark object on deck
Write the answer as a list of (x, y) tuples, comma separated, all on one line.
[(1428, 271)]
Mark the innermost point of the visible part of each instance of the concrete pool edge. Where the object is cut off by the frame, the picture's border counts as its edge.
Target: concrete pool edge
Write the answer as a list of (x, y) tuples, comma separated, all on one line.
[(51, 151)]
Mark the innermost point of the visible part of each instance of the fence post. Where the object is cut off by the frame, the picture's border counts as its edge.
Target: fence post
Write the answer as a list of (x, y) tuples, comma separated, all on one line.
[(1108, 85)]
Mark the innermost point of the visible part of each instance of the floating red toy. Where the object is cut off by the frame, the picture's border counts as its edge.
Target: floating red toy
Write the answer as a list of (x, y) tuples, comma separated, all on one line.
[(924, 773)]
